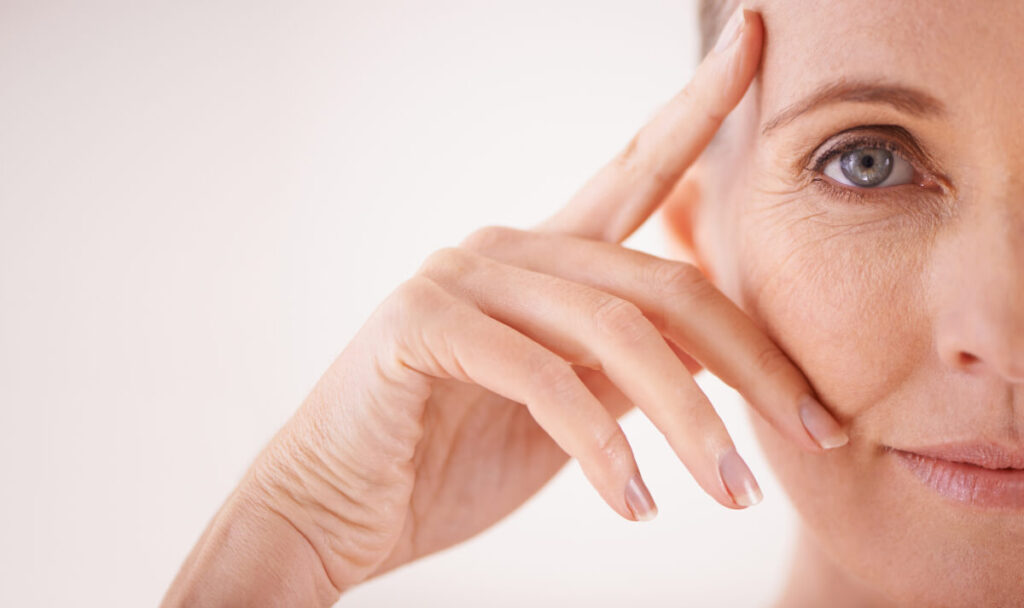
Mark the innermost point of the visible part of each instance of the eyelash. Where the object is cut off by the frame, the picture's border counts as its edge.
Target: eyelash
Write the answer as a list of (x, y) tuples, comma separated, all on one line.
[(854, 144), (849, 193)]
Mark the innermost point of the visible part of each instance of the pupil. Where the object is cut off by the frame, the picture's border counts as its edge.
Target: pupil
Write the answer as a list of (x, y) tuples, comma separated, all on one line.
[(866, 167)]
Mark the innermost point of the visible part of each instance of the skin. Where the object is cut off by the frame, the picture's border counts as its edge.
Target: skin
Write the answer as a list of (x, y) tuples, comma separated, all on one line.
[(905, 308), (899, 311)]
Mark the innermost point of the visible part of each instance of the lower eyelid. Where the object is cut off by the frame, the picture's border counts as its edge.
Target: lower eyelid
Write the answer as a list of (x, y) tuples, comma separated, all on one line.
[(835, 190), (831, 189), (923, 207)]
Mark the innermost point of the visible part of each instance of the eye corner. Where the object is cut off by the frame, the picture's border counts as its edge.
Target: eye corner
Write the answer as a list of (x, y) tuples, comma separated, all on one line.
[(937, 183)]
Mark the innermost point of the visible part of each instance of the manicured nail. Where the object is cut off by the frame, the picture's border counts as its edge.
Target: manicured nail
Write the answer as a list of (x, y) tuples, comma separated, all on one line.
[(820, 424), (738, 479), (639, 500), (731, 31)]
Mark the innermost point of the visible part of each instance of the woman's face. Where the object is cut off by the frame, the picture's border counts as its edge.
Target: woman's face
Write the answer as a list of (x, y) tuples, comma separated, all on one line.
[(901, 299)]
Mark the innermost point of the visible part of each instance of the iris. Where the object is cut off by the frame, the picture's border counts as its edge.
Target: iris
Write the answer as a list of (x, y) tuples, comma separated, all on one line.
[(866, 167)]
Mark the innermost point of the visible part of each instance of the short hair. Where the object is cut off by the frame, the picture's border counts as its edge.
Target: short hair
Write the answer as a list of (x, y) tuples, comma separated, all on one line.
[(712, 15)]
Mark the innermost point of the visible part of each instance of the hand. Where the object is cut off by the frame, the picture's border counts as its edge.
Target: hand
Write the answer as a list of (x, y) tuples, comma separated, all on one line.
[(472, 384)]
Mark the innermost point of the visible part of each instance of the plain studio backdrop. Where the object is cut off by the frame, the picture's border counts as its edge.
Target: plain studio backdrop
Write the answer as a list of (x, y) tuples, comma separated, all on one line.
[(200, 204)]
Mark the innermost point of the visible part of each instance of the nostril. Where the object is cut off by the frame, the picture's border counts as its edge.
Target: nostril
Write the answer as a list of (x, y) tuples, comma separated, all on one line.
[(976, 352), (966, 360)]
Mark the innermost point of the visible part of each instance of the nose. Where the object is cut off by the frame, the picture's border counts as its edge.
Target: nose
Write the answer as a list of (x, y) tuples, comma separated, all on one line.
[(978, 280)]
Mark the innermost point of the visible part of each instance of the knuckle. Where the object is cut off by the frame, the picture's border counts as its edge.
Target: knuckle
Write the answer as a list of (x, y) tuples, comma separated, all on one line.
[(613, 445), (712, 109), (771, 361), (714, 114), (628, 161), (556, 379), (488, 238), (701, 103), (413, 294), (686, 97), (621, 319), (640, 163), (446, 262), (676, 278), (412, 290), (403, 309), (588, 360), (417, 320)]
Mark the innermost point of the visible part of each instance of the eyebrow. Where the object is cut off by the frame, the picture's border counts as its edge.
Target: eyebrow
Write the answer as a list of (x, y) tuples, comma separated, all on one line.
[(906, 99)]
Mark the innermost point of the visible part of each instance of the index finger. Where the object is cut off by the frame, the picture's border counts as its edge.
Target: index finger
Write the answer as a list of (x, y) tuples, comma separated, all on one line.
[(623, 194)]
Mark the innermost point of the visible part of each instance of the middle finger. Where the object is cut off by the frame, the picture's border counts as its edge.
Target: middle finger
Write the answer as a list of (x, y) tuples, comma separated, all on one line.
[(690, 311), (599, 330)]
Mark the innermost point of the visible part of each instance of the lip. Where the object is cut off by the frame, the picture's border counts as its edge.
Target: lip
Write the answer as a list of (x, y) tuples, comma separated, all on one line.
[(980, 474)]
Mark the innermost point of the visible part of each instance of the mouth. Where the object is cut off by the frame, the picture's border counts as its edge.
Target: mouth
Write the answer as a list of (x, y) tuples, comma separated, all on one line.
[(979, 474)]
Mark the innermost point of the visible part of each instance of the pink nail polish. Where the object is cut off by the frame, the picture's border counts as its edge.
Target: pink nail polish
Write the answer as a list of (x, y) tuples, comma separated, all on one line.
[(738, 479), (638, 499), (820, 424), (731, 30)]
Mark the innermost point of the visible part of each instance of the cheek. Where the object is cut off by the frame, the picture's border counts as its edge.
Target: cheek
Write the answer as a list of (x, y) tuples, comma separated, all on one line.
[(839, 288)]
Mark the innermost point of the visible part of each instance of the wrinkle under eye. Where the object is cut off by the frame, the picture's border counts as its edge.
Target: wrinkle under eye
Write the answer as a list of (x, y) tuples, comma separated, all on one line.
[(915, 184)]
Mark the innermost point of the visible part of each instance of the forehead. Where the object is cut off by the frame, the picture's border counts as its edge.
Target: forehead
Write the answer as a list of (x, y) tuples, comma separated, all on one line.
[(965, 53)]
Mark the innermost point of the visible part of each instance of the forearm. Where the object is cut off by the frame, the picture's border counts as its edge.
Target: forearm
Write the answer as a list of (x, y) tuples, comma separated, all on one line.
[(251, 555)]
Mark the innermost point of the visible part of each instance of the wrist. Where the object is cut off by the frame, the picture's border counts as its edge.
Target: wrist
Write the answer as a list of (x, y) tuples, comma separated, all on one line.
[(252, 554)]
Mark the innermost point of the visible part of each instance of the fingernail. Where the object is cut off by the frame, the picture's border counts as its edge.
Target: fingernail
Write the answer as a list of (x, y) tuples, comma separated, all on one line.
[(731, 31), (820, 424), (738, 479), (639, 500)]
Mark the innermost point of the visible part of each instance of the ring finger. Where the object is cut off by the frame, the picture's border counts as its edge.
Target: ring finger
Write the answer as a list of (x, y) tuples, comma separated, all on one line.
[(686, 308), (602, 331)]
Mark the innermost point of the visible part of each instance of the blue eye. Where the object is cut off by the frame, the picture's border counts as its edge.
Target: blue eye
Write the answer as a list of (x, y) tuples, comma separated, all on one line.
[(867, 167)]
